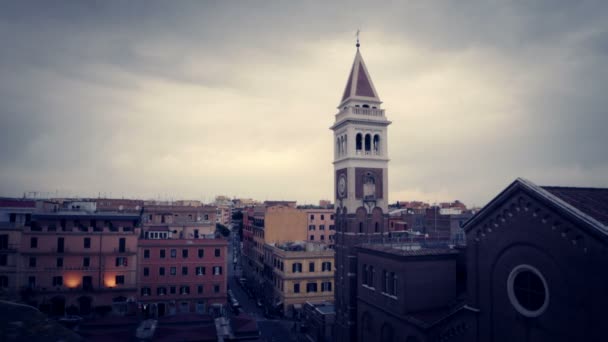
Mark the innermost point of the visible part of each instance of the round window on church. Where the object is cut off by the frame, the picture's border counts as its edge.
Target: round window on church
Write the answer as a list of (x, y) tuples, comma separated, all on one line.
[(528, 291)]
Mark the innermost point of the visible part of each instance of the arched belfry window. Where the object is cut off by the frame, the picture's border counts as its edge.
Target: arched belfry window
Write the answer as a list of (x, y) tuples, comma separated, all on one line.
[(344, 144), (368, 143), (376, 144), (338, 146), (359, 143)]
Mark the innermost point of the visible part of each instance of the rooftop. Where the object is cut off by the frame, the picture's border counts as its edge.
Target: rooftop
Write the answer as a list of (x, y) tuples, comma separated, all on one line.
[(411, 249), (591, 201), (301, 246)]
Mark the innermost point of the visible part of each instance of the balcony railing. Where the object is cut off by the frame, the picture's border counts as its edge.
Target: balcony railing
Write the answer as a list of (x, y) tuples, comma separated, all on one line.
[(369, 112)]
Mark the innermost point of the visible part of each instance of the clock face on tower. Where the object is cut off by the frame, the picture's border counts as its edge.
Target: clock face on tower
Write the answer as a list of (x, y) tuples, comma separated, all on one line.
[(342, 186)]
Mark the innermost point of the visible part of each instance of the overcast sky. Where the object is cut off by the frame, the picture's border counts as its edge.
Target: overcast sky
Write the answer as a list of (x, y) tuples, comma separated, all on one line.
[(190, 100)]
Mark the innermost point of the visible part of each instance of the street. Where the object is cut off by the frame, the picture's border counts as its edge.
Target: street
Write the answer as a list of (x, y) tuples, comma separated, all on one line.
[(270, 329)]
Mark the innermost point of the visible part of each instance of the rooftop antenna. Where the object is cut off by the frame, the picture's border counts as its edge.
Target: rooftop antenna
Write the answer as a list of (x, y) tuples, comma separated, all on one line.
[(358, 31)]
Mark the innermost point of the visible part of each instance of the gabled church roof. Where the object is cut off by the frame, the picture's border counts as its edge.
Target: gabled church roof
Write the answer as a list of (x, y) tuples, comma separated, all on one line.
[(359, 84), (588, 206)]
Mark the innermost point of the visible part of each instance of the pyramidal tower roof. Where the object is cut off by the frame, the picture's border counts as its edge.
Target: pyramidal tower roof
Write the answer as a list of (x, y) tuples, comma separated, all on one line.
[(359, 85)]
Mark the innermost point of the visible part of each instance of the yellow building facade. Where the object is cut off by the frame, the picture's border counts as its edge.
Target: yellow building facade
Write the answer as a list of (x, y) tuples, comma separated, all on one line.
[(298, 272)]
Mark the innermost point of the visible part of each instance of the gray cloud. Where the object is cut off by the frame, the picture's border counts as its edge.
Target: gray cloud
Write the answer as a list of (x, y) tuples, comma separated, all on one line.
[(195, 99)]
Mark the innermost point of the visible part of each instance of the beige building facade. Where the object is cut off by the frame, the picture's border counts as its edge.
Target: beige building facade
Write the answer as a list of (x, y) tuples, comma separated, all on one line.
[(297, 272)]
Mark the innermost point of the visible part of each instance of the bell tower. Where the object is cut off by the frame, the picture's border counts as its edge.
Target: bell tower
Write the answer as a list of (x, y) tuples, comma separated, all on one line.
[(361, 186)]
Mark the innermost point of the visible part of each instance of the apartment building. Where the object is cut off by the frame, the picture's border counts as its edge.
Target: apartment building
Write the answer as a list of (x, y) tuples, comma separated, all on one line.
[(277, 223), (182, 264), (14, 215), (297, 272), (181, 275), (321, 226), (76, 261)]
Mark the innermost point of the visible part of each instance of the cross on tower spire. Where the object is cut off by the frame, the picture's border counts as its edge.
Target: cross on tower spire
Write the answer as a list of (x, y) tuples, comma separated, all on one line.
[(358, 31)]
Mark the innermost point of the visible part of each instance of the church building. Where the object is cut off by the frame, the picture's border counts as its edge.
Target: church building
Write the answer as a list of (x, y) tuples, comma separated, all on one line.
[(533, 268)]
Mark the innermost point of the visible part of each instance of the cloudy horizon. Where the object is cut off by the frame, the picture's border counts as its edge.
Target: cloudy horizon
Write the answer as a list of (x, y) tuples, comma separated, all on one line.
[(190, 100)]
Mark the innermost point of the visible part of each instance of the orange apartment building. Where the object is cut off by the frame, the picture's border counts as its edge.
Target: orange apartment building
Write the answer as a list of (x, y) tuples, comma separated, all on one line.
[(321, 226), (77, 261), (277, 222)]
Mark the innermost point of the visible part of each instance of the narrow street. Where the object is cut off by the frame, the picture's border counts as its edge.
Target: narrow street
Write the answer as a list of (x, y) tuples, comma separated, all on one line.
[(270, 329)]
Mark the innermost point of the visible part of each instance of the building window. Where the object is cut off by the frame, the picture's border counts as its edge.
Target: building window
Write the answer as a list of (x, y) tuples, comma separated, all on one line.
[(87, 242), (322, 217), (392, 289), (184, 253), (174, 253), (145, 291), (331, 217), (311, 267), (161, 271), (217, 270), (199, 289), (161, 291), (3, 259), (59, 262), (326, 286), (332, 227), (172, 289), (322, 227), (162, 253), (216, 288), (120, 280), (385, 281), (311, 227), (360, 227), (173, 270), (32, 262), (200, 270), (322, 237), (528, 291), (121, 261), (296, 288), (201, 253), (3, 281), (217, 252), (296, 267), (146, 271), (184, 289), (311, 287), (58, 281), (34, 242), (312, 217), (86, 262), (146, 254), (122, 245), (326, 266), (184, 270), (312, 238)]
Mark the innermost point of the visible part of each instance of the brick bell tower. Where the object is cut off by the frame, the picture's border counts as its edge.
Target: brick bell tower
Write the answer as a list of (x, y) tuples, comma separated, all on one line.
[(361, 186)]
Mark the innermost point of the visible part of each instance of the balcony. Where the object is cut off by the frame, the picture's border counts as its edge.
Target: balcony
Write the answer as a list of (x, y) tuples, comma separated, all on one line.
[(369, 113), (10, 248)]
